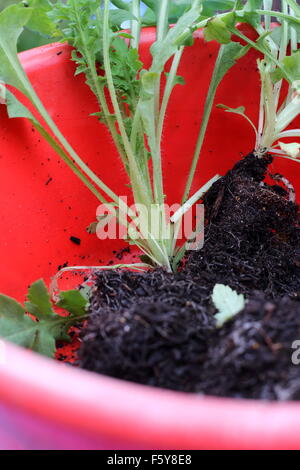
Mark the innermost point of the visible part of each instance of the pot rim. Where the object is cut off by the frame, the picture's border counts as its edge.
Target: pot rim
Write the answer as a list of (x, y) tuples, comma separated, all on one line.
[(111, 407)]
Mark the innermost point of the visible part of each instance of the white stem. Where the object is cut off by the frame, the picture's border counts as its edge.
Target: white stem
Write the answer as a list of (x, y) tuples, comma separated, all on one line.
[(135, 24), (289, 133), (192, 200)]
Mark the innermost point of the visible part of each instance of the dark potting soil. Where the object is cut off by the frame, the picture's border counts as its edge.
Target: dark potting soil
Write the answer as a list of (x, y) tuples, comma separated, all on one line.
[(252, 238), (149, 328), (158, 329)]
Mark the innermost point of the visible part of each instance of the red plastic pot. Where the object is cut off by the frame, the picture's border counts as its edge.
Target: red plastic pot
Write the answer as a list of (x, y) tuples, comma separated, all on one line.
[(49, 405)]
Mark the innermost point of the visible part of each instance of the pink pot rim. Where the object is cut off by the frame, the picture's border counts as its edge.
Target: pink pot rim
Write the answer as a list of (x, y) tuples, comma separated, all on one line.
[(109, 407)]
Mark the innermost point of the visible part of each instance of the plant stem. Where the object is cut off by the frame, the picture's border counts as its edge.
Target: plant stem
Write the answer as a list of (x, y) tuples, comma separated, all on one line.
[(97, 87), (294, 5), (198, 195), (267, 6), (135, 175), (289, 133), (205, 119), (263, 50), (168, 91), (277, 14), (163, 20), (135, 24), (138, 181), (282, 53)]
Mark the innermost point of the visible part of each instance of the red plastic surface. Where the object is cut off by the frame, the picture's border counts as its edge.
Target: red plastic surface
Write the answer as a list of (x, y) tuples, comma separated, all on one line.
[(42, 205)]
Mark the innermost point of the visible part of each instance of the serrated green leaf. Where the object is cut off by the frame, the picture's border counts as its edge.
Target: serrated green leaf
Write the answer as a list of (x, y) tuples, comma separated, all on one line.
[(228, 302), (19, 328), (41, 333), (10, 307), (15, 326), (39, 303), (74, 301), (44, 342)]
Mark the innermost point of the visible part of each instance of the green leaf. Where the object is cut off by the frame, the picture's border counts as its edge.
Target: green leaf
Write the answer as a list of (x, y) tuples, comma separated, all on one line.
[(120, 4), (117, 17), (163, 50), (146, 106), (15, 109), (41, 333), (291, 65), (15, 326), (210, 7), (39, 303), (178, 7), (240, 110), (230, 54), (217, 30), (249, 15), (74, 301), (12, 22), (40, 20), (45, 341), (228, 302), (19, 328)]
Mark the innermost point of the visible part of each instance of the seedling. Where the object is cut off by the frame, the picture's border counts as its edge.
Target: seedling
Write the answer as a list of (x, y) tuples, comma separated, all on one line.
[(279, 71), (133, 106), (131, 103)]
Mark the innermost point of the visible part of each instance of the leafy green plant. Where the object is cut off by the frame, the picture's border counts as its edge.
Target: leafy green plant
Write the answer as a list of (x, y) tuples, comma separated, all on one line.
[(279, 72), (133, 106), (131, 103), (44, 327), (30, 37)]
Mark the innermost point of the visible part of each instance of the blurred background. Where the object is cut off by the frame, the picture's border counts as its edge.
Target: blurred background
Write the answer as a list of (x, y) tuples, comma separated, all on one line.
[(30, 39)]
